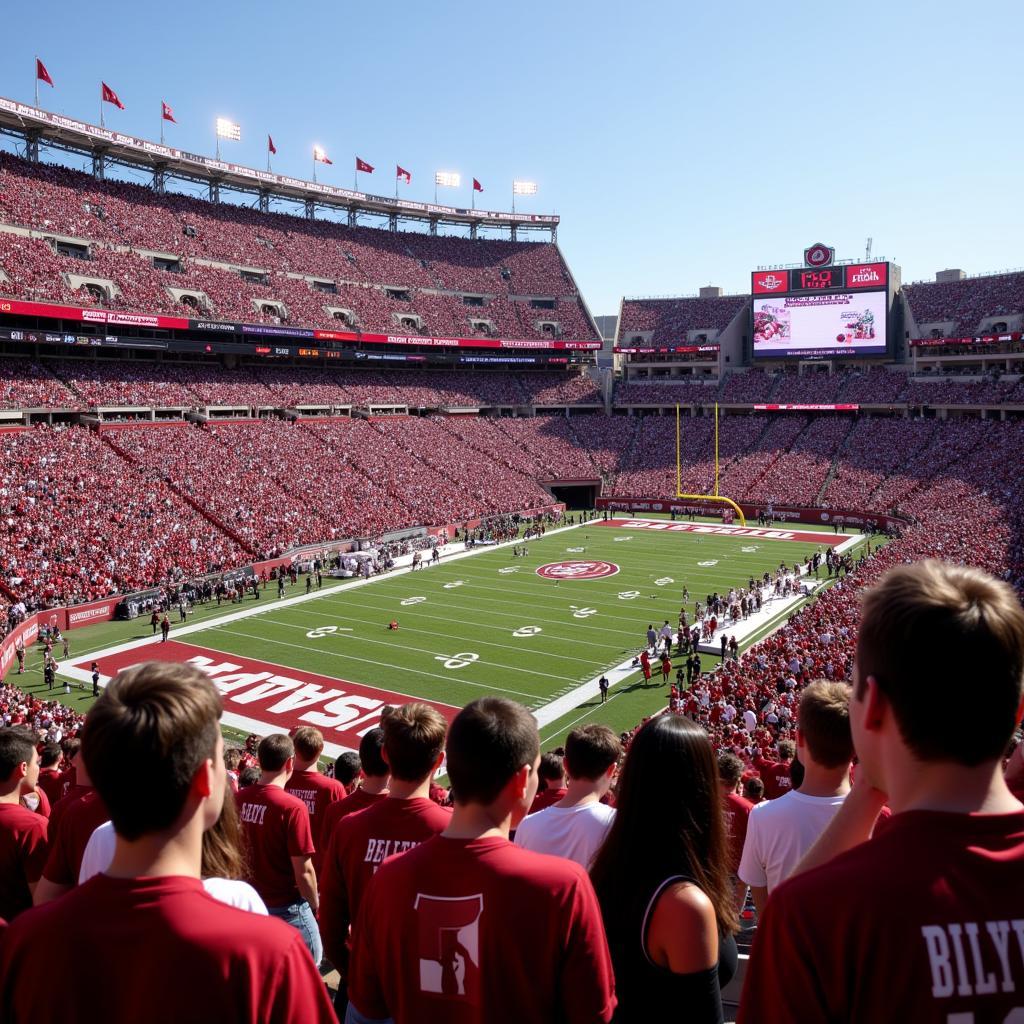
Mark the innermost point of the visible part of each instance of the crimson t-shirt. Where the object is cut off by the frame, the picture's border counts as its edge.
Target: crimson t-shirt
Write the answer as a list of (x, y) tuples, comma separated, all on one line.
[(69, 835), (921, 923), (22, 856), (736, 812), (317, 792), (51, 782), (481, 932), (167, 952), (359, 845), (776, 777), (546, 798), (357, 800), (276, 828)]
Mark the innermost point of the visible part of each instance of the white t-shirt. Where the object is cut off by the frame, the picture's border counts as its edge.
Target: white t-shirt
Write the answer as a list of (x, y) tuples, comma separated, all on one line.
[(575, 833), (780, 832), (99, 852)]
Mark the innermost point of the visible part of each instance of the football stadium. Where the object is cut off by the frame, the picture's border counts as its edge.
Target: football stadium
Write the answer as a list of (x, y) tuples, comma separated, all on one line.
[(389, 632)]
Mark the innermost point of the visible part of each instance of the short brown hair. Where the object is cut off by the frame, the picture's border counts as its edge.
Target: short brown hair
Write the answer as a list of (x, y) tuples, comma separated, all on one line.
[(730, 768), (274, 750), (823, 718), (787, 750), (928, 628), (309, 742), (489, 741), (413, 740), (590, 751), (145, 738)]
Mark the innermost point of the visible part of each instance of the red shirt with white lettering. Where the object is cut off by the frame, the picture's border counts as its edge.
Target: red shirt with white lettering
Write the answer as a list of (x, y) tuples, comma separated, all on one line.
[(921, 923), (357, 800), (775, 776), (359, 845), (481, 932), (317, 792), (736, 811), (276, 828), (168, 952), (69, 835), (22, 856)]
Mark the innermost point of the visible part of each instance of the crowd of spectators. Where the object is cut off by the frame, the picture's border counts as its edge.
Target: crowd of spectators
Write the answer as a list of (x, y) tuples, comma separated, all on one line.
[(671, 320), (964, 304), (299, 270)]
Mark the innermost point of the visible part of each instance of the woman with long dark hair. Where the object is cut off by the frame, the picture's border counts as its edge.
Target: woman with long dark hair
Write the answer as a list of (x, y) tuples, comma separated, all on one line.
[(662, 878)]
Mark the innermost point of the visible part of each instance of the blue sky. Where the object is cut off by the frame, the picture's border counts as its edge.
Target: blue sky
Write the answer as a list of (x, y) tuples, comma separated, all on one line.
[(682, 144)]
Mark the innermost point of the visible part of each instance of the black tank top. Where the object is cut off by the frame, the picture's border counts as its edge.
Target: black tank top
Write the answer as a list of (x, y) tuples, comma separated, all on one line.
[(648, 992)]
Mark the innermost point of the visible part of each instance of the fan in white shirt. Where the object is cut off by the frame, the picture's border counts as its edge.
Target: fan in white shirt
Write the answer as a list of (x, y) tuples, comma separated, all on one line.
[(576, 826)]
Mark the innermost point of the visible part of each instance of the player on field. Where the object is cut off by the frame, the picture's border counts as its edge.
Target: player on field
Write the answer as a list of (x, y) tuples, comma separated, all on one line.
[(143, 941), (922, 922), (468, 927)]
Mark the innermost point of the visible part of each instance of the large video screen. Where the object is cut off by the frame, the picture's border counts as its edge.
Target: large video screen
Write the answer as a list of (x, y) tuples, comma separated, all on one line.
[(841, 324)]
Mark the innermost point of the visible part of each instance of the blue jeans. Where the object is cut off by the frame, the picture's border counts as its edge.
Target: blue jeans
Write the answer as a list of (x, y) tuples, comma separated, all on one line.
[(300, 916)]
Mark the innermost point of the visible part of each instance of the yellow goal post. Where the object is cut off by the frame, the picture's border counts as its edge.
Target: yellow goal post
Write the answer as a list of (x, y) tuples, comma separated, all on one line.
[(716, 497)]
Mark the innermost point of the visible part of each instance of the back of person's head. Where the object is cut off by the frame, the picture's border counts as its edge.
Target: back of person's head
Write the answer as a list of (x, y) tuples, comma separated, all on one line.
[(49, 755), (551, 769), (370, 758), (144, 740), (787, 750), (248, 776), (413, 740), (590, 751), (927, 631), (346, 767), (823, 718), (309, 743), (668, 821), (224, 851), (16, 747), (730, 769), (753, 790), (274, 751), (488, 742), (70, 746)]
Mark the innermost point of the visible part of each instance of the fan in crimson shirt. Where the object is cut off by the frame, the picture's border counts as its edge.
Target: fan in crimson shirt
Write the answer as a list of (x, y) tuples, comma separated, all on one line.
[(922, 921), (311, 786), (373, 786), (467, 928), (156, 946), (552, 774), (413, 749), (50, 780), (22, 832), (736, 812), (776, 774), (280, 842)]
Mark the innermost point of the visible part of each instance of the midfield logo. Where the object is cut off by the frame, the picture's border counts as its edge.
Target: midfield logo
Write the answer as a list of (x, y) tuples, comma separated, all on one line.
[(577, 570)]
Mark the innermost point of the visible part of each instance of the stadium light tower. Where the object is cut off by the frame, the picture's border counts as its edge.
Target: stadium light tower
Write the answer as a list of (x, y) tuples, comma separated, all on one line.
[(227, 130), (522, 188), (446, 179)]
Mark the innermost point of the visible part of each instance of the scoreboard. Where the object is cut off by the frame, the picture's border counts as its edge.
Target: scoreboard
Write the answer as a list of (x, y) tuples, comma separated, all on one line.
[(821, 312)]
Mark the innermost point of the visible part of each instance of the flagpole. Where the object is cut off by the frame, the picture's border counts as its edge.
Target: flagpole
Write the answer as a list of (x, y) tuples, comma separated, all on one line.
[(314, 168), (161, 122), (101, 106), (37, 83)]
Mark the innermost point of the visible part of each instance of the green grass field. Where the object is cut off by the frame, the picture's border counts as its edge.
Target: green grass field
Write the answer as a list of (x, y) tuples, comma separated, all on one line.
[(486, 623)]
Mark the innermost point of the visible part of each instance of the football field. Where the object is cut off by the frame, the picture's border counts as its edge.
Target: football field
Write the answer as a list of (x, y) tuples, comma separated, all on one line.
[(540, 628)]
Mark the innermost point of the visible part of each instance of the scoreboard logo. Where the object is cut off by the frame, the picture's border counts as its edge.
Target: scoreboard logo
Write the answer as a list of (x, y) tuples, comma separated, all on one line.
[(770, 281), (819, 255), (577, 570), (867, 275)]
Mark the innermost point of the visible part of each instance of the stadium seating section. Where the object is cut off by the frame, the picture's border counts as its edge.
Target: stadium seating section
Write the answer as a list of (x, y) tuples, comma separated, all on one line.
[(116, 229)]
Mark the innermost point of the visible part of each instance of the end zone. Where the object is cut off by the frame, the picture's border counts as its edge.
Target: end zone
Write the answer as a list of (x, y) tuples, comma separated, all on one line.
[(760, 532), (262, 697)]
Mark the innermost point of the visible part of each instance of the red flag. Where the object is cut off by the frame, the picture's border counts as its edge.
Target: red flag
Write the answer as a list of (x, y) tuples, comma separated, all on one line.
[(362, 165), (166, 113), (41, 73), (321, 155), (477, 187), (107, 95), (401, 172), (271, 148)]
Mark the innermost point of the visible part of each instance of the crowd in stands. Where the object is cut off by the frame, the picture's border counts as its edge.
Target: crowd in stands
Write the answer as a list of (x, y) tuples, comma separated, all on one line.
[(123, 225), (964, 304), (671, 320)]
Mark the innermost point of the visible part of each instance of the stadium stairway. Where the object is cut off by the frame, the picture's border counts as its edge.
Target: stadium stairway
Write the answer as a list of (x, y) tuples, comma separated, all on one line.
[(185, 497), (832, 469)]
